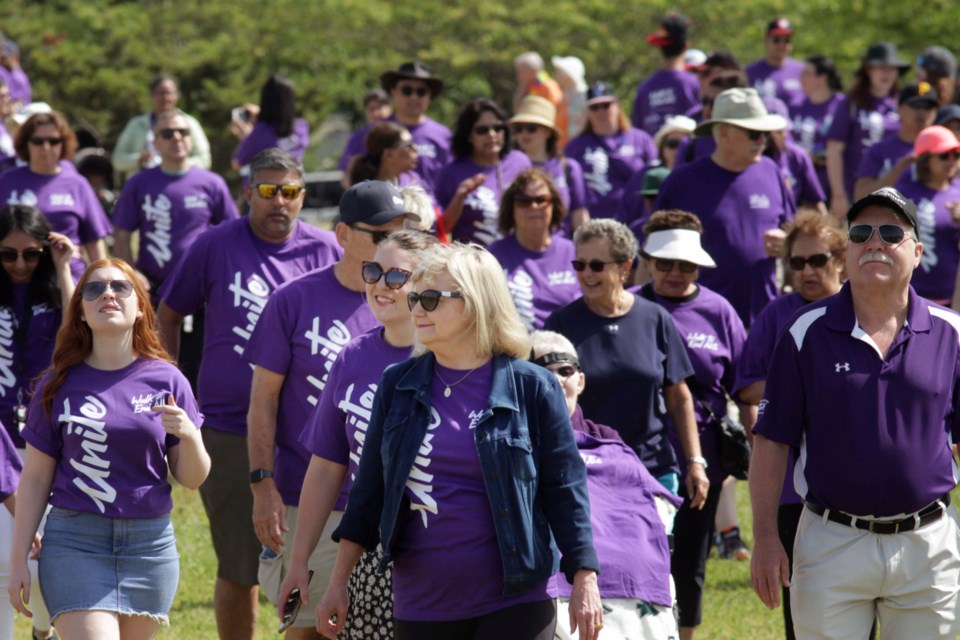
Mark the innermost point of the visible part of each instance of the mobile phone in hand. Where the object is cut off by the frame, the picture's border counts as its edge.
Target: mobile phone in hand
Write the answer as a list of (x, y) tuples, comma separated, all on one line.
[(240, 114), (292, 606)]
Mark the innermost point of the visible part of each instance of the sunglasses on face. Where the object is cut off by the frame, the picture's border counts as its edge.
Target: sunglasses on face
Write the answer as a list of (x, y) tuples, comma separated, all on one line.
[(30, 256), (430, 298), (949, 156), (484, 129), (671, 143), (600, 106), (408, 91), (525, 128), (525, 201), (394, 277), (93, 290), (817, 260), (377, 236), (754, 136), (666, 266), (39, 141), (269, 191), (891, 234), (565, 371), (781, 40), (595, 265), (168, 134)]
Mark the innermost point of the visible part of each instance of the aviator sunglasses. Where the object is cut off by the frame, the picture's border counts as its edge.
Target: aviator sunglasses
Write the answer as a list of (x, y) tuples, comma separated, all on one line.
[(595, 265), (93, 290), (394, 277), (269, 191), (430, 298), (891, 234), (30, 256), (817, 260), (167, 134)]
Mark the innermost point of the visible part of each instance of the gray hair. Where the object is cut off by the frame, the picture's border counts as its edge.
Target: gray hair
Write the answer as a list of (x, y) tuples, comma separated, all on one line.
[(417, 200), (544, 342), (167, 115), (530, 59), (275, 159), (623, 244)]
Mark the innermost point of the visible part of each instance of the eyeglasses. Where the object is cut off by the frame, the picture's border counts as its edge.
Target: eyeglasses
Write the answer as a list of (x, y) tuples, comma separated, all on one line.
[(167, 134), (30, 256), (949, 155), (600, 106), (405, 144), (817, 260), (671, 143), (781, 40), (525, 128), (408, 91), (394, 277), (892, 234), (565, 371), (93, 290), (595, 265), (754, 135), (39, 141), (378, 236), (430, 298), (268, 191), (526, 202), (666, 266), (484, 129)]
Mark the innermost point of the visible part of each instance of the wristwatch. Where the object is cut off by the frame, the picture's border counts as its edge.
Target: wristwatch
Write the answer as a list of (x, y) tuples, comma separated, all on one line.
[(259, 474), (698, 460)]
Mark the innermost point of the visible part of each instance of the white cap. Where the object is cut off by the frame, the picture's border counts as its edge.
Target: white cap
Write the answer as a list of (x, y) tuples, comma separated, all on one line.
[(23, 113), (678, 244), (693, 58), (573, 67)]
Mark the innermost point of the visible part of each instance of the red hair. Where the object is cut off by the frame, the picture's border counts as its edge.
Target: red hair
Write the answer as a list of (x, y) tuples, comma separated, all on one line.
[(75, 340)]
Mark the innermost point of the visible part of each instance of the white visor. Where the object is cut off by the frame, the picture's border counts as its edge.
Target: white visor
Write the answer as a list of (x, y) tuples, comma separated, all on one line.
[(678, 244)]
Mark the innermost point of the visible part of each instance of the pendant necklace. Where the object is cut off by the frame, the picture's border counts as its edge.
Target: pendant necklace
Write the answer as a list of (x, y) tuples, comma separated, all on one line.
[(447, 391)]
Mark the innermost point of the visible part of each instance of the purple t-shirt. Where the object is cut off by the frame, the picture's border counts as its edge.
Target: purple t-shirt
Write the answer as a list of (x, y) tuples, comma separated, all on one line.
[(859, 129), (665, 92), (735, 209), (481, 208), (781, 82), (306, 324), (336, 429), (10, 466), (628, 533), (27, 338), (873, 433), (799, 175), (66, 200), (935, 277), (811, 122), (714, 336), (110, 448), (264, 136), (693, 148), (880, 158), (608, 162), (431, 138), (19, 85), (231, 272), (171, 210), (448, 532), (540, 281)]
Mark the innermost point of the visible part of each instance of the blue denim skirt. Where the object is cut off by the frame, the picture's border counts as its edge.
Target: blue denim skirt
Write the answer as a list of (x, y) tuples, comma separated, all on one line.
[(94, 563)]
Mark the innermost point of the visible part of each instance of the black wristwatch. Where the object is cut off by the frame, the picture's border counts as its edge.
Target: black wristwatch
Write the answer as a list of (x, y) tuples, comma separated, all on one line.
[(259, 474)]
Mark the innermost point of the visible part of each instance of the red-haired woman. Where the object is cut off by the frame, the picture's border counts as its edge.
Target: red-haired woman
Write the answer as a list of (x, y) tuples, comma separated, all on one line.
[(107, 422)]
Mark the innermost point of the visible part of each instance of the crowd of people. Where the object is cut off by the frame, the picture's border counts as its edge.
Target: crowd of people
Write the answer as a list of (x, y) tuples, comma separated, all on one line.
[(490, 402)]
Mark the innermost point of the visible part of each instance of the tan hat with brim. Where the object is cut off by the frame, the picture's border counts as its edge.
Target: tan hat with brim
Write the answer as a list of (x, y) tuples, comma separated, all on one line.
[(743, 108), (536, 110)]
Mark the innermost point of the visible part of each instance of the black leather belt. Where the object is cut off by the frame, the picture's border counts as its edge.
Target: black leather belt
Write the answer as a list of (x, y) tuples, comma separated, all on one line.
[(930, 513)]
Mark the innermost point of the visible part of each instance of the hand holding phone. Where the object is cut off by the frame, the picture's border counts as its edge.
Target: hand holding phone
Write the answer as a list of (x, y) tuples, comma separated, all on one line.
[(292, 606)]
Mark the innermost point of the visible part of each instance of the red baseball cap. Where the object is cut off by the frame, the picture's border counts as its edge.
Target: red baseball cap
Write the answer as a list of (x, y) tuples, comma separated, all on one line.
[(780, 27)]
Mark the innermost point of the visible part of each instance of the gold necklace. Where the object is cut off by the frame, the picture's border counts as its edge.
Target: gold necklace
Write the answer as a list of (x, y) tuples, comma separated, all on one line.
[(447, 392)]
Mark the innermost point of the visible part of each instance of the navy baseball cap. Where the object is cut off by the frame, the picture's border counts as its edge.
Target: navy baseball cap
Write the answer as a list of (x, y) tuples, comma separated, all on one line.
[(948, 113), (889, 198), (919, 95), (373, 202)]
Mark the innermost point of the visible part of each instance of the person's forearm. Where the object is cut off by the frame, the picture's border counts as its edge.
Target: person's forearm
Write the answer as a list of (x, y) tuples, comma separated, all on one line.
[(67, 286), (33, 493), (192, 462), (451, 215), (835, 168), (96, 250), (321, 486), (169, 322), (10, 502), (121, 245), (348, 555), (768, 464), (262, 424)]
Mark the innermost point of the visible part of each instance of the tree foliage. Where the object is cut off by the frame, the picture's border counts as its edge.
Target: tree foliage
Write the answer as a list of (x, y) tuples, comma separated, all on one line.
[(93, 58)]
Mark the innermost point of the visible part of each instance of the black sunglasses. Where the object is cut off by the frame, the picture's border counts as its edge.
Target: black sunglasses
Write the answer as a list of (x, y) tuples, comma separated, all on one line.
[(666, 266), (167, 134), (408, 91), (394, 277), (754, 135), (949, 155), (30, 256), (430, 298), (39, 141), (781, 40), (600, 106), (565, 371), (672, 143), (891, 234), (523, 200), (93, 290), (378, 236), (484, 129), (525, 128), (817, 260), (595, 265)]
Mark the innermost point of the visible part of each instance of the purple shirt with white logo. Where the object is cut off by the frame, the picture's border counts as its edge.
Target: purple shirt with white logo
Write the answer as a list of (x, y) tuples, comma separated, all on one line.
[(171, 210), (608, 162), (873, 432), (781, 82), (735, 209), (10, 466), (336, 429), (431, 138), (880, 158), (481, 208), (859, 129), (811, 122), (110, 448), (232, 273), (448, 531), (540, 281), (665, 92), (935, 277), (305, 326), (65, 199), (628, 533)]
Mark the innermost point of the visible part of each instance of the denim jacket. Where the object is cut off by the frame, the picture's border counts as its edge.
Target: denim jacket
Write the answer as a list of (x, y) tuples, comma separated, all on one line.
[(535, 479)]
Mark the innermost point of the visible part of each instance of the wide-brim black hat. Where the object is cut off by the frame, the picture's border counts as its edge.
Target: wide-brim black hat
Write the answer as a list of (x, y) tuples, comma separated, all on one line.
[(412, 71), (884, 54)]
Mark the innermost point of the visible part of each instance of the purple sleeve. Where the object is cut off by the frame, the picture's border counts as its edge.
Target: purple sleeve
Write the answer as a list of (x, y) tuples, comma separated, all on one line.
[(812, 191), (224, 206), (576, 185), (270, 344), (840, 127), (125, 212), (41, 431), (94, 223), (355, 147), (185, 289), (754, 360), (782, 408), (871, 164), (446, 185), (262, 137), (325, 434)]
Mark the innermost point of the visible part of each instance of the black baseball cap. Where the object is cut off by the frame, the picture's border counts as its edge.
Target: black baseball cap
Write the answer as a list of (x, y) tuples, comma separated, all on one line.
[(919, 95), (948, 113), (373, 202), (889, 198)]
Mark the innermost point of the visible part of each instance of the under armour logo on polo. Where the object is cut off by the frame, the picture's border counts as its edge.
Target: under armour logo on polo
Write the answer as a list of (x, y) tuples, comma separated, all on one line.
[(613, 328), (842, 367)]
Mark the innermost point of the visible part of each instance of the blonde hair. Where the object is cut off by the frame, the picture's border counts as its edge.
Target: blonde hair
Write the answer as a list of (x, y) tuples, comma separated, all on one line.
[(477, 274), (417, 200)]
